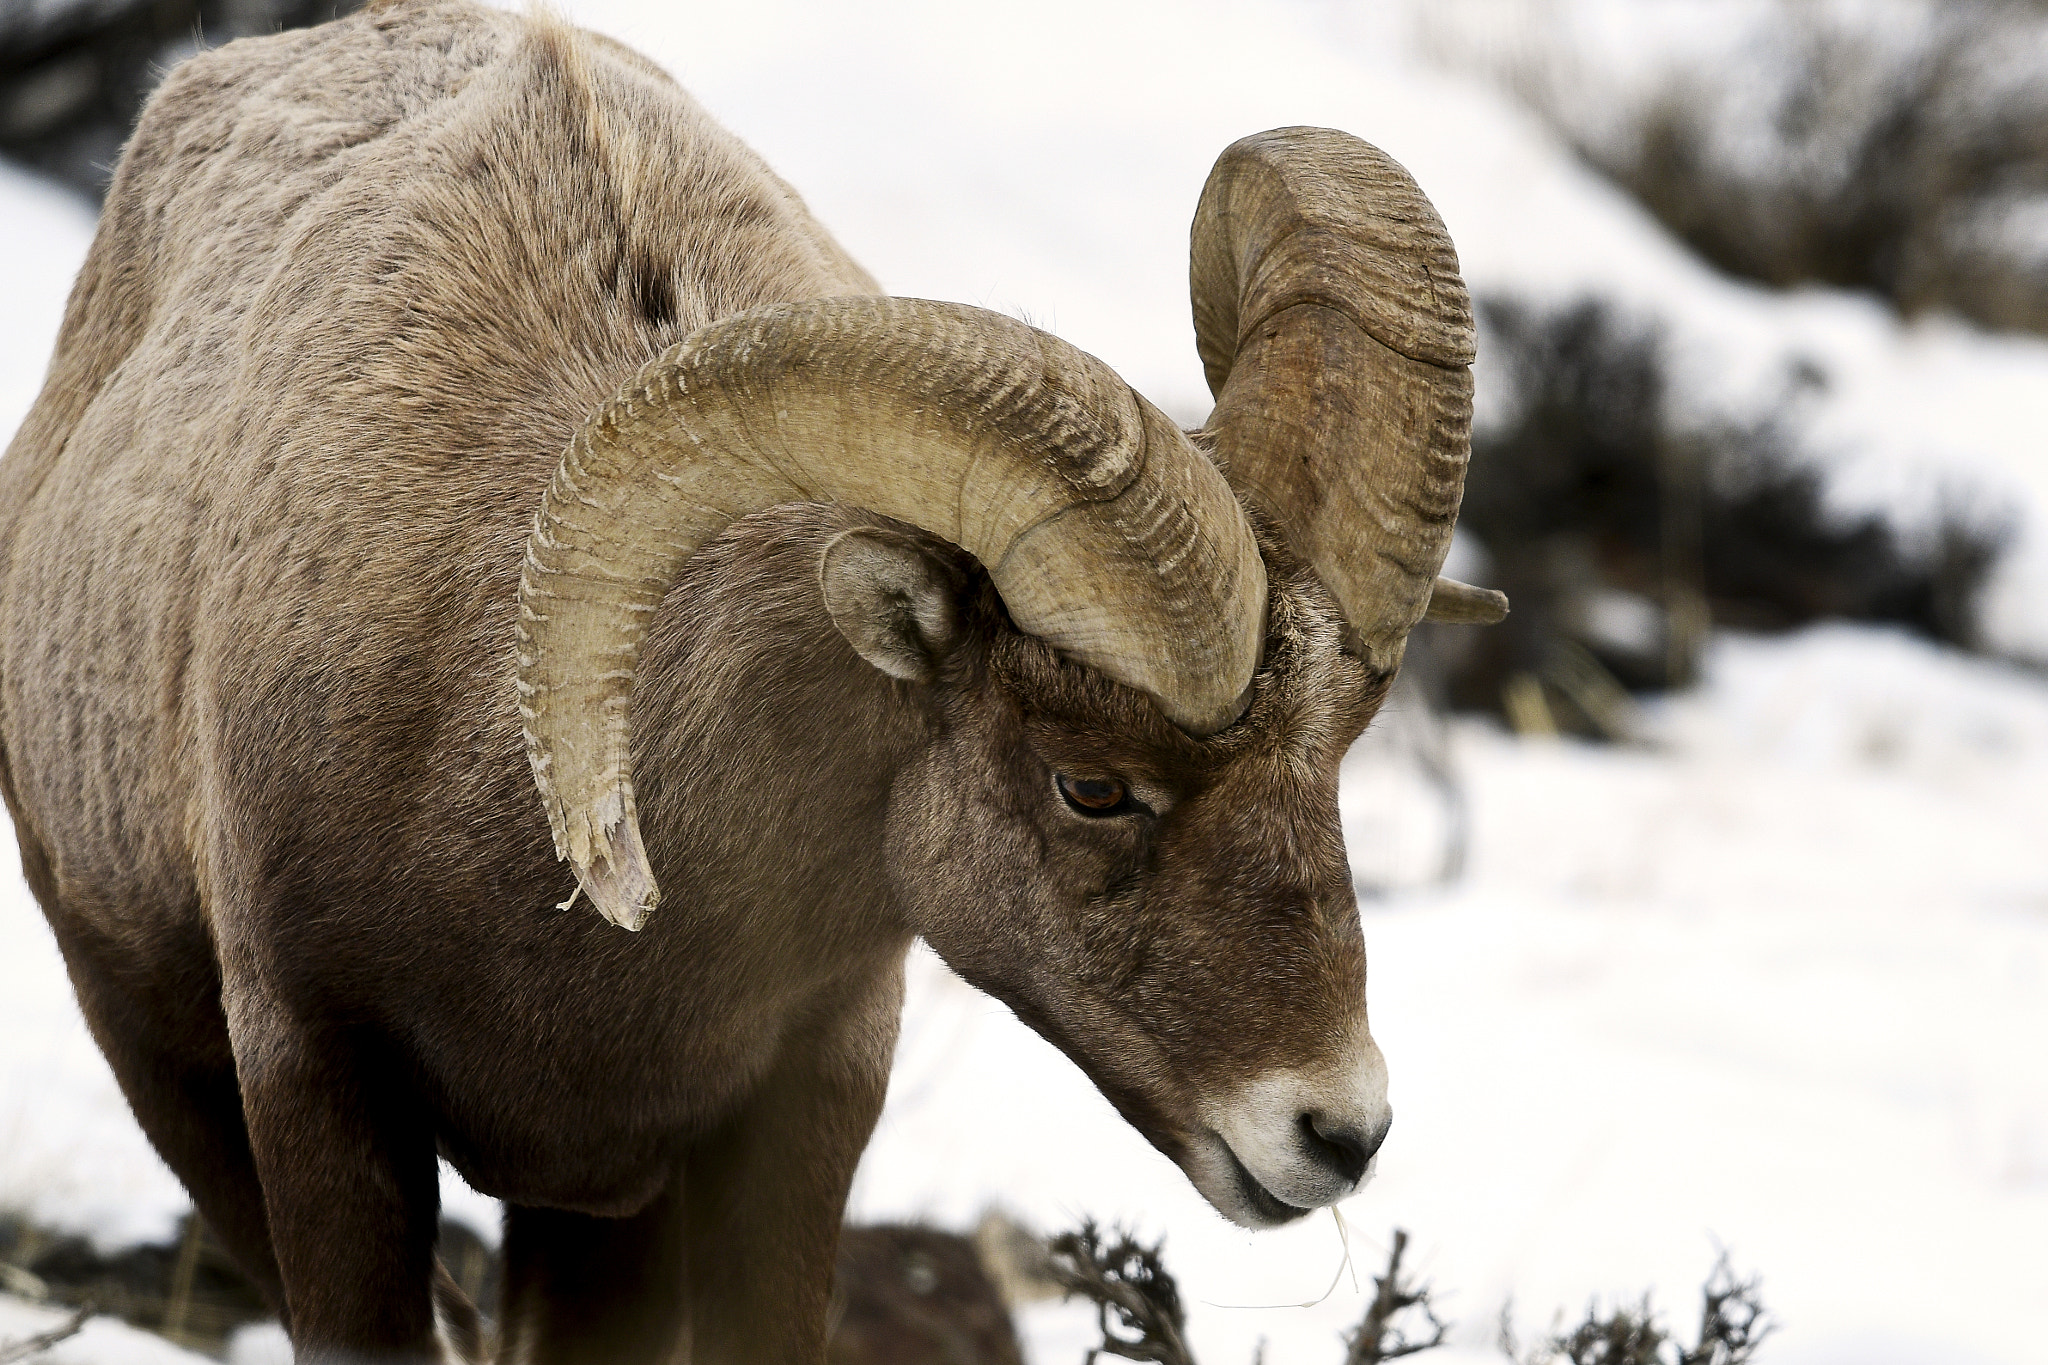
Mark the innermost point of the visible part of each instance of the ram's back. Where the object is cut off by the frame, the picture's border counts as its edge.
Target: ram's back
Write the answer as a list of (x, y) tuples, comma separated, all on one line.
[(353, 288)]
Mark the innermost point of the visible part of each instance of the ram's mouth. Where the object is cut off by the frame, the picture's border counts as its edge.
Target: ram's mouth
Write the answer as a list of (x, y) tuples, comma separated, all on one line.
[(1270, 1210)]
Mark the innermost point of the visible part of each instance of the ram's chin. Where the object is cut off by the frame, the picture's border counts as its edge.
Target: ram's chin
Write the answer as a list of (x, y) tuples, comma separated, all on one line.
[(1232, 1190)]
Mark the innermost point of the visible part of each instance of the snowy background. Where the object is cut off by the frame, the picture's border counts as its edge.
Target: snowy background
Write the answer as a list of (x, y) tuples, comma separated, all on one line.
[(1774, 979)]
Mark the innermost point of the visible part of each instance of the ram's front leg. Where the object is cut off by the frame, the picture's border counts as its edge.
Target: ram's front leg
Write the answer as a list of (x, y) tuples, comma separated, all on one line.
[(767, 1190), (346, 1161)]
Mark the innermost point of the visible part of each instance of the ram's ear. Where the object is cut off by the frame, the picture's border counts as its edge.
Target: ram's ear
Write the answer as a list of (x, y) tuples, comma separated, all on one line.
[(891, 599)]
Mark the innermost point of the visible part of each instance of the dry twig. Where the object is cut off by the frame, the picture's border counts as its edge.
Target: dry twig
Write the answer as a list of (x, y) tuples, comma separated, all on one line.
[(1376, 1338), (28, 1347)]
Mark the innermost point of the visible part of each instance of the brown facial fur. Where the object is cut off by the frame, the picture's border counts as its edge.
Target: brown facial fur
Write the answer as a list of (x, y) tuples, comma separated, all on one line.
[(353, 289), (1166, 955)]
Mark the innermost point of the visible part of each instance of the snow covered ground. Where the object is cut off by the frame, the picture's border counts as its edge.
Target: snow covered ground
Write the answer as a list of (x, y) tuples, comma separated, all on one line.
[(1778, 981)]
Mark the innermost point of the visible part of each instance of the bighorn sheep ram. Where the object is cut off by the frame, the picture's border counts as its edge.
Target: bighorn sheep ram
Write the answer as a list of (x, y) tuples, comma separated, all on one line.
[(448, 406)]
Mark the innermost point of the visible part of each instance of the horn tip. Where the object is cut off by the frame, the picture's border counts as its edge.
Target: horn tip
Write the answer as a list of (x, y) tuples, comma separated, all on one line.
[(1455, 603), (617, 877)]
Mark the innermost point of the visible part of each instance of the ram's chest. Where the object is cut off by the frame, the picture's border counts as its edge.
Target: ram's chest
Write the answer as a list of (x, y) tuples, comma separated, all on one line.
[(593, 1119), (578, 1078)]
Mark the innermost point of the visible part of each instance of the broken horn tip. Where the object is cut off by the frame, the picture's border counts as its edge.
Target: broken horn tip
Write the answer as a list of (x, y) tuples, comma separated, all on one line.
[(630, 915)]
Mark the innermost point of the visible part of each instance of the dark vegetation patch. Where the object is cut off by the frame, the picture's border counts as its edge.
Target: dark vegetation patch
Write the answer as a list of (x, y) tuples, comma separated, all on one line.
[(903, 1295), (187, 1289), (1849, 148), (74, 76), (907, 1294), (1621, 534)]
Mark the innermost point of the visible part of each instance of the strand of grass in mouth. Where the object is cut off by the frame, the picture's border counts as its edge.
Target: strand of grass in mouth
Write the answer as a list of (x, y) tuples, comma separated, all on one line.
[(1344, 1236)]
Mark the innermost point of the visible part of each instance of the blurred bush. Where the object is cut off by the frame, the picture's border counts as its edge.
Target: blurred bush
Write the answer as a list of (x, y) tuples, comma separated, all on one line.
[(74, 73), (1898, 147), (1622, 534), (187, 1288)]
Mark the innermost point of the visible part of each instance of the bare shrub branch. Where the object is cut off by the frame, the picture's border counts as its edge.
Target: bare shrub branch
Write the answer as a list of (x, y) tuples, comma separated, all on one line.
[(1377, 1338), (1127, 1283), (1733, 1322)]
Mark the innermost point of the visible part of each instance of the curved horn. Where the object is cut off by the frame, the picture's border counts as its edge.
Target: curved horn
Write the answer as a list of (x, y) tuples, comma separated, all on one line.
[(1337, 338), (1106, 532)]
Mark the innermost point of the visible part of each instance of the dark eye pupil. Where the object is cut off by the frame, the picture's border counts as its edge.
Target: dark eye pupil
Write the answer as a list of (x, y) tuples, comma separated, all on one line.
[(1091, 795)]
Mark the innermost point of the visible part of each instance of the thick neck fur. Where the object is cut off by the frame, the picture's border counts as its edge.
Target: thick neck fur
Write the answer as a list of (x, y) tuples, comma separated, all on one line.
[(766, 750)]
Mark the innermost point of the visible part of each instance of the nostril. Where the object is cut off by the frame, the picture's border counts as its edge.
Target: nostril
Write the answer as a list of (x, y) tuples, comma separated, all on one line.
[(1338, 1147)]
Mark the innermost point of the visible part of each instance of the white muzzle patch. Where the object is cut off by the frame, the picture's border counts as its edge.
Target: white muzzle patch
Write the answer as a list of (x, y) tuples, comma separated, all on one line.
[(1295, 1139)]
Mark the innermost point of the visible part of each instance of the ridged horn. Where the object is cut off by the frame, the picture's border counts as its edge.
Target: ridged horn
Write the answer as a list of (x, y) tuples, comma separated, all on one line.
[(1337, 338), (1106, 532)]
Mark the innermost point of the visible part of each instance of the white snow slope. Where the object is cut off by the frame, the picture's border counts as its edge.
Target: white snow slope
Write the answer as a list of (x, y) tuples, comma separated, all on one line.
[(1780, 982)]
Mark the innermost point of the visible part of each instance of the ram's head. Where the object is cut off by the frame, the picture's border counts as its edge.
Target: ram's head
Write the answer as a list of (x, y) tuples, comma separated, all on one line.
[(1124, 823)]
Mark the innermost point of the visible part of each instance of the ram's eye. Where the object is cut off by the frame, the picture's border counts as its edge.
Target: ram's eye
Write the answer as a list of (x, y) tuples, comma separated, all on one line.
[(1090, 796)]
